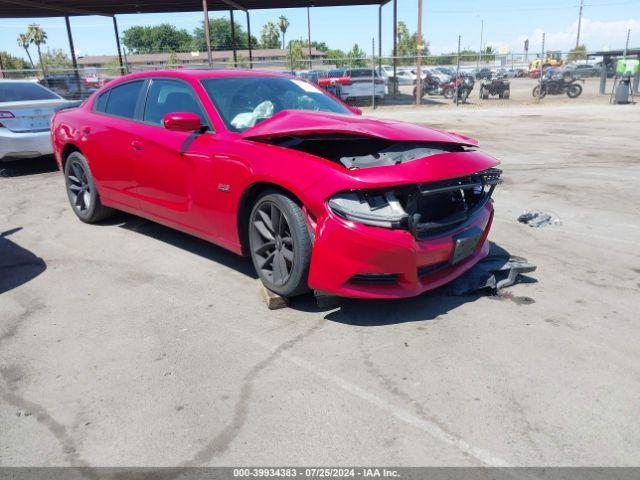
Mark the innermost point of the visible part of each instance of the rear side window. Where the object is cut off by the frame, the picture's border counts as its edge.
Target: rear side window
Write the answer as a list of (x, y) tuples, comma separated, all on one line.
[(123, 98), (101, 102), (168, 96), (24, 91)]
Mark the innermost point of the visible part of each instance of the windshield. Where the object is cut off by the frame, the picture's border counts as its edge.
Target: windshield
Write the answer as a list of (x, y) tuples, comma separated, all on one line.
[(243, 102), (24, 91)]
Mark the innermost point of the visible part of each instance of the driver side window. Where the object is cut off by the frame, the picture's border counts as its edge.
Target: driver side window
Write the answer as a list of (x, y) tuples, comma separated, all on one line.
[(168, 96)]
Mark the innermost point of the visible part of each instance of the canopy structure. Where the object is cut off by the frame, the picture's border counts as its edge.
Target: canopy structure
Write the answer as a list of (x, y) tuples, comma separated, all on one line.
[(111, 8), (608, 58)]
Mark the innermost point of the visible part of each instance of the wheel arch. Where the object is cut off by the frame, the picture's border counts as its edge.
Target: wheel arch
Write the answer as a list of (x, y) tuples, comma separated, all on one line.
[(248, 199), (67, 150)]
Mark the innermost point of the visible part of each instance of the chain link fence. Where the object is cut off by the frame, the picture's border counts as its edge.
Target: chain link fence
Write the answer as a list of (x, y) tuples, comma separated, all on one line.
[(371, 80)]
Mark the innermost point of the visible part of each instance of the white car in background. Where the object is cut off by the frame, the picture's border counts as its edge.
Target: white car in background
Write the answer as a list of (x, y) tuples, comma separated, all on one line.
[(26, 109), (361, 86)]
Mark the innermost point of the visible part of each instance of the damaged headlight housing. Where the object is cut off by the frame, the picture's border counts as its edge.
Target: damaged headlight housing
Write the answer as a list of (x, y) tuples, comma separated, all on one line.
[(380, 209)]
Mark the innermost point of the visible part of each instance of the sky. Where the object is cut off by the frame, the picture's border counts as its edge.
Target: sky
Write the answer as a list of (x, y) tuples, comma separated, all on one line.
[(507, 23)]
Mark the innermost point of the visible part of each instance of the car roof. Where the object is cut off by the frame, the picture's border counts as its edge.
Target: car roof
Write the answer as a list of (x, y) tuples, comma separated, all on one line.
[(21, 80), (205, 73)]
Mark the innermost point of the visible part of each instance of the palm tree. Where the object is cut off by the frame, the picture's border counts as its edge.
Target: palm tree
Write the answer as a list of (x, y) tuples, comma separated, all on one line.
[(38, 37), (24, 41), (283, 24)]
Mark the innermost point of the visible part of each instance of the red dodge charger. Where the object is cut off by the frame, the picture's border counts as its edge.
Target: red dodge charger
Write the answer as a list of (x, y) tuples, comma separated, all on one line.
[(271, 166)]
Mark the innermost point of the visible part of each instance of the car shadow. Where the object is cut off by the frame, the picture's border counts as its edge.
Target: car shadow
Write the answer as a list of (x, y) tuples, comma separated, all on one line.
[(184, 241), (17, 264), (371, 313), (28, 166)]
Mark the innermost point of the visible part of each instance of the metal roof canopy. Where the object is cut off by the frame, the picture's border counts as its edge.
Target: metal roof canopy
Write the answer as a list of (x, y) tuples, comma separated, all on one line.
[(111, 8), (59, 8)]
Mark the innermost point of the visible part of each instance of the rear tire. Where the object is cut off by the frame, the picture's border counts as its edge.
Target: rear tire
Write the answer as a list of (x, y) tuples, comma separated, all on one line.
[(448, 93), (82, 192), (280, 244), (574, 90)]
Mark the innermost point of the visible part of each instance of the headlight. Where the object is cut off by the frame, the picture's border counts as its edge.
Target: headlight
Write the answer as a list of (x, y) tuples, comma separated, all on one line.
[(377, 209)]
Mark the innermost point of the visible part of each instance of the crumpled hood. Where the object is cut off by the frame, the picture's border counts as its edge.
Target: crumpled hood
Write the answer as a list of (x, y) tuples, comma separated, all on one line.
[(297, 122)]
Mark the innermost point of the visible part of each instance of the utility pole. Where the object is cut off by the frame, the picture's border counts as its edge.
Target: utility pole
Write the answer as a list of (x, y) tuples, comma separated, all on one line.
[(419, 48), (579, 23)]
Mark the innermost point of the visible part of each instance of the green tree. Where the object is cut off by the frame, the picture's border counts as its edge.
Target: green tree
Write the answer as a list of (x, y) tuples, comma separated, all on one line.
[(13, 63), (297, 58), (156, 38), (38, 37), (55, 59), (270, 36), (24, 42), (172, 61), (321, 46), (220, 29), (283, 25), (408, 45), (335, 57), (578, 53), (357, 57)]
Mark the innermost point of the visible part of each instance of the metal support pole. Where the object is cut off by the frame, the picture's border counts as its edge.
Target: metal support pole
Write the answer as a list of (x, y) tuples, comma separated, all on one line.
[(207, 33), (456, 86), (233, 40), (72, 49), (603, 75), (481, 40), (309, 36), (1, 67), (380, 38), (541, 63), (115, 28), (395, 44), (419, 58), (373, 73), (249, 41)]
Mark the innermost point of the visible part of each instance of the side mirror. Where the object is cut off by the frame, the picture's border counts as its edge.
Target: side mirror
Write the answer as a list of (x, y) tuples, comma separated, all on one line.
[(182, 122), (355, 110)]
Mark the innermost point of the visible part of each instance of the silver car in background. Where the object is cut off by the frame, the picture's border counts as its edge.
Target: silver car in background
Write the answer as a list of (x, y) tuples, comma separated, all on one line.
[(26, 109)]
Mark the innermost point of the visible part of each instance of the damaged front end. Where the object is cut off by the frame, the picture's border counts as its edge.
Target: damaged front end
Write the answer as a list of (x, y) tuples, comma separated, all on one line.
[(424, 209)]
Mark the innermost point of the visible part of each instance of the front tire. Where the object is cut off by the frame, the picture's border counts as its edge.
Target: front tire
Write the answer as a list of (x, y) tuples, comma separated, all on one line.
[(280, 244), (81, 190), (538, 92)]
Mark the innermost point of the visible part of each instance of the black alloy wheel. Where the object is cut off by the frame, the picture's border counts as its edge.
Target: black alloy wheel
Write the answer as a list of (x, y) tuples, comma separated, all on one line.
[(280, 244)]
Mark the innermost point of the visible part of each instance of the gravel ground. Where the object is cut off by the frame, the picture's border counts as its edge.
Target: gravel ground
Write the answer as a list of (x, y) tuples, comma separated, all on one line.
[(127, 343)]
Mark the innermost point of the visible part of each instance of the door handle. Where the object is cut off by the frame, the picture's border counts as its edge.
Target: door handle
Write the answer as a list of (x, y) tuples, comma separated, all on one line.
[(86, 130), (136, 145)]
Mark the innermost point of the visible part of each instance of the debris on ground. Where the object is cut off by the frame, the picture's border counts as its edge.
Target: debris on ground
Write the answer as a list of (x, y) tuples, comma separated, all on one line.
[(497, 271), (538, 218)]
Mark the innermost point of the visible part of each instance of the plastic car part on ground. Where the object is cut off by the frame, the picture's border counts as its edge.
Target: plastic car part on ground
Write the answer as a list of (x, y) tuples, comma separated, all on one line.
[(538, 218), (497, 271)]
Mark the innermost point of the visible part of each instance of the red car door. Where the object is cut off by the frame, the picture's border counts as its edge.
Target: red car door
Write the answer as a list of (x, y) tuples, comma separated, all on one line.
[(171, 162), (108, 148)]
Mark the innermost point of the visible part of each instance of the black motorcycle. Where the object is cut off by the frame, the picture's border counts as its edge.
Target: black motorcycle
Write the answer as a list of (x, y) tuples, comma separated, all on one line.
[(557, 85), (430, 86)]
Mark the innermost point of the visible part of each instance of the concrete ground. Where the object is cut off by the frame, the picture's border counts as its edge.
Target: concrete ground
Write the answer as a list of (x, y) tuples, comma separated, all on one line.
[(126, 343)]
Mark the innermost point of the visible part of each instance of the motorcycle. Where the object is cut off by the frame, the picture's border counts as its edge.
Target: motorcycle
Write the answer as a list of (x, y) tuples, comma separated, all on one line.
[(430, 86), (460, 86), (557, 85)]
